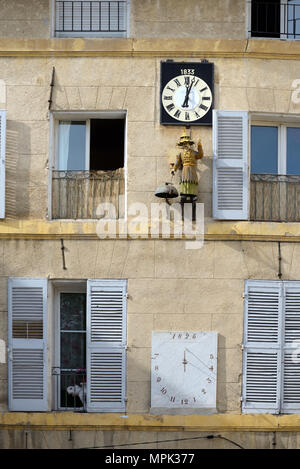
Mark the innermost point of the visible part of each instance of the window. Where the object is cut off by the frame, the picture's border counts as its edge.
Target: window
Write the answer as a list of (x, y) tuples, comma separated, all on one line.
[(275, 19), (69, 377), (2, 162), (271, 366), (275, 172), (270, 149), (88, 165), (88, 354), (275, 149), (75, 18)]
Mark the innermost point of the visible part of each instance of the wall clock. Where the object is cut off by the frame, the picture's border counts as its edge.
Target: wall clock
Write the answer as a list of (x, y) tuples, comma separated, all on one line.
[(186, 95), (184, 372)]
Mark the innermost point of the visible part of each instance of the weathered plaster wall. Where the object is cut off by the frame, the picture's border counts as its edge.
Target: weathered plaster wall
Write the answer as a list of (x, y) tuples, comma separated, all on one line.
[(193, 18), (20, 439), (94, 83), (169, 287), (24, 18), (148, 18)]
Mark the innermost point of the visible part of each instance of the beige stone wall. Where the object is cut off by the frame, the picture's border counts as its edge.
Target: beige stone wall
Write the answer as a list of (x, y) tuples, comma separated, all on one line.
[(148, 18), (133, 440), (193, 18), (169, 287), (91, 84), (25, 18)]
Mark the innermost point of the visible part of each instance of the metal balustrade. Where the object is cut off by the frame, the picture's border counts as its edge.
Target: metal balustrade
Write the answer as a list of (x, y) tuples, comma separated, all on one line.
[(77, 194), (274, 197), (70, 388)]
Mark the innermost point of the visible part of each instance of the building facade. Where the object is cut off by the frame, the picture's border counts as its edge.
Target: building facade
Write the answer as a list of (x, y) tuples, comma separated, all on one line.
[(84, 298)]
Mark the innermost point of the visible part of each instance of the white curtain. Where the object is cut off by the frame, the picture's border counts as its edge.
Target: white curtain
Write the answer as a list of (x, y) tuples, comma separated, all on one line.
[(63, 144)]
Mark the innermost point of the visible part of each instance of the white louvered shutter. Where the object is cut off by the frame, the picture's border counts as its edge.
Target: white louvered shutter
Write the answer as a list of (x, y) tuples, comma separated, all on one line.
[(2, 162), (106, 341), (291, 349), (230, 165), (262, 347), (93, 17), (27, 306)]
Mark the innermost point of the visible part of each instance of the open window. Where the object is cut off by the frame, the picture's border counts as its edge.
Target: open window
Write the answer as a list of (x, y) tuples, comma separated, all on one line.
[(275, 171), (87, 349), (275, 19), (88, 165), (256, 160)]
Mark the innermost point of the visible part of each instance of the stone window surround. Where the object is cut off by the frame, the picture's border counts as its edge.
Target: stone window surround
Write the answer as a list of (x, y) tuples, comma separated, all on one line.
[(86, 35), (54, 118)]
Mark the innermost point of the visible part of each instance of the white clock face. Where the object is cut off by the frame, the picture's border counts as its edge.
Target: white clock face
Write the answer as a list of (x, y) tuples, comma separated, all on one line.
[(184, 371), (187, 98)]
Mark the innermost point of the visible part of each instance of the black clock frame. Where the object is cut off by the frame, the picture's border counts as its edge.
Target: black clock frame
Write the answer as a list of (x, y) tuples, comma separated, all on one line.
[(169, 70)]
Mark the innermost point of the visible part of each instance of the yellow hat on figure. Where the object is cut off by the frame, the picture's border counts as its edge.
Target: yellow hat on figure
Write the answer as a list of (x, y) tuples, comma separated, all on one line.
[(185, 139)]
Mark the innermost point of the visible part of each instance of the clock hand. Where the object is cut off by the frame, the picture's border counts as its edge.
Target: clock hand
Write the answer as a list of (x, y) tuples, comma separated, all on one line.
[(188, 90)]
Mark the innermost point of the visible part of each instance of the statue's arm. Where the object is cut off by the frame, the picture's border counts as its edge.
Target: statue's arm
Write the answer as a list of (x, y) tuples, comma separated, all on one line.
[(199, 154)]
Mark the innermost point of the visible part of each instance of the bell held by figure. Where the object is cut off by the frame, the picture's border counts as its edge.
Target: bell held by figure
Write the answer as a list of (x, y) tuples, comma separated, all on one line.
[(167, 191)]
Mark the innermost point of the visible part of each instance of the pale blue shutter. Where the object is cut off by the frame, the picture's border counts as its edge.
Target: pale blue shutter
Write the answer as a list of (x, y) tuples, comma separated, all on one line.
[(262, 347), (291, 349), (27, 368), (2, 162), (106, 341), (230, 165)]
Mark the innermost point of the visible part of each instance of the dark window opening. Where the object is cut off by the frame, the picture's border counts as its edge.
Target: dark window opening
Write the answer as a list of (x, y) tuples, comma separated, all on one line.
[(107, 144), (72, 377), (265, 18)]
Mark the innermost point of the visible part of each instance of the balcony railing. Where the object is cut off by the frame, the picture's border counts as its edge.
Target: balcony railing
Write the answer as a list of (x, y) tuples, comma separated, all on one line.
[(69, 388), (77, 194), (274, 197), (91, 16), (275, 20)]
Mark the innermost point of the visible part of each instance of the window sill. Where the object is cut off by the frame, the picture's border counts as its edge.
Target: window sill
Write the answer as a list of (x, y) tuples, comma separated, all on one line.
[(86, 229)]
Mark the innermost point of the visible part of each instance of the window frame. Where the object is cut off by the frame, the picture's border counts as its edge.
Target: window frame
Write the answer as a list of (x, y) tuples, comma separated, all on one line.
[(67, 286), (54, 118), (88, 34), (282, 141)]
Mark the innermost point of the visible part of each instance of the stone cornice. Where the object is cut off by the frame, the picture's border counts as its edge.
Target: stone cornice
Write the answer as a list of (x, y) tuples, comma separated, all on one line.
[(145, 422), (162, 47)]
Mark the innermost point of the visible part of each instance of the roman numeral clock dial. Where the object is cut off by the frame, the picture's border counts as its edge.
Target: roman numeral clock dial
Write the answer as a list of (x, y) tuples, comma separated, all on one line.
[(186, 93)]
